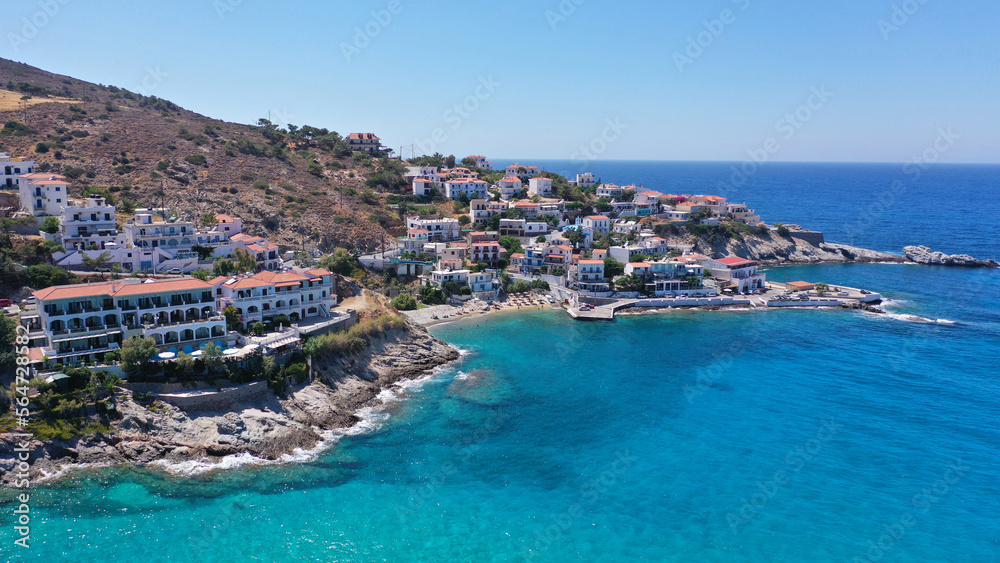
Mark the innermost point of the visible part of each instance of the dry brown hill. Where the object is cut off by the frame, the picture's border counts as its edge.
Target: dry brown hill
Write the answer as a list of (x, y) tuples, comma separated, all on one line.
[(300, 186)]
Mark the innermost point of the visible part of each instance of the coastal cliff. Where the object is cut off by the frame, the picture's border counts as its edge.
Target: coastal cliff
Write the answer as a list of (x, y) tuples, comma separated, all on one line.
[(772, 248), (268, 428)]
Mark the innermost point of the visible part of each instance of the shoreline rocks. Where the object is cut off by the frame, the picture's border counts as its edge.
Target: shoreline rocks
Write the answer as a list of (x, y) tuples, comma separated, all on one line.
[(924, 255), (268, 428)]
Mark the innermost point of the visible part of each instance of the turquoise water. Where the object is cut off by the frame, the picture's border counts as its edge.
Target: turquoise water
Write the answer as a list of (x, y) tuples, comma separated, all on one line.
[(687, 436), (683, 436)]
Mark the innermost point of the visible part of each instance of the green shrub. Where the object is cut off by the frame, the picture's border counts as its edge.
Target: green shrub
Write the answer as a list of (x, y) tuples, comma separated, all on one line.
[(196, 159), (404, 302)]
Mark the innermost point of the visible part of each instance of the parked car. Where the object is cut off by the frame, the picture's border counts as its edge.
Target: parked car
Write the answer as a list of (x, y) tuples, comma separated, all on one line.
[(5, 303), (175, 271)]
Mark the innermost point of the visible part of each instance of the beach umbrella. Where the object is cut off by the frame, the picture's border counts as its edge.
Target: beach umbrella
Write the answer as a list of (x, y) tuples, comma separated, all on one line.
[(166, 355)]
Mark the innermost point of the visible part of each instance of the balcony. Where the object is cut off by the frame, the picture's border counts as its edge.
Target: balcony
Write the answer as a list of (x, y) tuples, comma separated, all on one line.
[(69, 351), (84, 332), (181, 323)]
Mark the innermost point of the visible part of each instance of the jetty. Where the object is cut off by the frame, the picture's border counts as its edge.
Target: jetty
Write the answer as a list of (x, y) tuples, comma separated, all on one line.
[(778, 296)]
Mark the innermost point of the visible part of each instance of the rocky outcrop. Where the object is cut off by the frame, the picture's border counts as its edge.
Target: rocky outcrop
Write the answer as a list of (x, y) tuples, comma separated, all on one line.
[(772, 248), (924, 255), (267, 429)]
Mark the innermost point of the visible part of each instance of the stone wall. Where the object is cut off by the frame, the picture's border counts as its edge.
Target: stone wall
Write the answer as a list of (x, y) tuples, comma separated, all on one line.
[(814, 238), (216, 400)]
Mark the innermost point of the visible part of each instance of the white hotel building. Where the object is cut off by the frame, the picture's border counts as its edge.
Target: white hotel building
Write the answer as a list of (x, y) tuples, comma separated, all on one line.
[(297, 294), (84, 322)]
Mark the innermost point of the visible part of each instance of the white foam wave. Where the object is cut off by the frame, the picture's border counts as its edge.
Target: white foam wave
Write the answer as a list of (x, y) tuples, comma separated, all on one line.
[(197, 466), (911, 318)]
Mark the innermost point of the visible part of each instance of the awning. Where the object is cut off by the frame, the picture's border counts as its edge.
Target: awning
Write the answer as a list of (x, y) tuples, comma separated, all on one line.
[(283, 342)]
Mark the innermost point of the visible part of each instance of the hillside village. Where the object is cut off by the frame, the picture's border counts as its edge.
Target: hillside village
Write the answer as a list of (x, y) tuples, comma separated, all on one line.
[(511, 235)]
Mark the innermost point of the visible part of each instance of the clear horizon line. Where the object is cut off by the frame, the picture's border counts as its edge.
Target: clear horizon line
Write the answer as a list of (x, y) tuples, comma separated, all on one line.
[(899, 163)]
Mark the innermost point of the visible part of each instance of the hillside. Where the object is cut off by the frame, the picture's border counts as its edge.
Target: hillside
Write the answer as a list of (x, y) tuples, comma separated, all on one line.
[(298, 186)]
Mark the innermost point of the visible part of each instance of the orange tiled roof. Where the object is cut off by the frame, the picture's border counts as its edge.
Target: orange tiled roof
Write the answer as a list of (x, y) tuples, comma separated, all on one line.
[(116, 289)]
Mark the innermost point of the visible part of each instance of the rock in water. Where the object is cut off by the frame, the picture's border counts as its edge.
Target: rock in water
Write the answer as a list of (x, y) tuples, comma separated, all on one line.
[(924, 255)]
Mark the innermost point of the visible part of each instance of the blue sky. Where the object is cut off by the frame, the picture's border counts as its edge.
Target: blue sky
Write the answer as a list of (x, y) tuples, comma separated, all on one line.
[(679, 80)]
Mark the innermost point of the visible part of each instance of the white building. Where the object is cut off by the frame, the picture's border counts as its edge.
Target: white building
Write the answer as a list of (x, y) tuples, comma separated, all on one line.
[(525, 173), (479, 161), (429, 172), (626, 227), (145, 232), (84, 322), (509, 187), (584, 180), (225, 224), (541, 187), (439, 277), (88, 224), (589, 276), (11, 169), (438, 230), (743, 214), (367, 142), (597, 224), (609, 191), (484, 285), (297, 294), (715, 204), (43, 194), (423, 186), (470, 187), (523, 228), (741, 273)]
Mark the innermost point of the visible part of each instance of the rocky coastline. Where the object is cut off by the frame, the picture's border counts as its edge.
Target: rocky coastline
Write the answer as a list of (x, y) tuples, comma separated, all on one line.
[(267, 429), (775, 250), (924, 255)]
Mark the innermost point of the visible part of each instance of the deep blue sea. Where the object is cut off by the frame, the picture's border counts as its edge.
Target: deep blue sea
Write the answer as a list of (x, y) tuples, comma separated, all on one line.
[(819, 435)]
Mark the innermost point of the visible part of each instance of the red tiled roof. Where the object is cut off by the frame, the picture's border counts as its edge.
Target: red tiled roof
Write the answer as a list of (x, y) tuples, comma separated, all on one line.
[(735, 261), (38, 175), (114, 288), (248, 283)]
